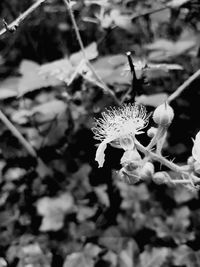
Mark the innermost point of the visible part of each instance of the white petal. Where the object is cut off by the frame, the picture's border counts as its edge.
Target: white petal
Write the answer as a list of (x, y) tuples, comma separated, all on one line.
[(100, 155), (196, 148)]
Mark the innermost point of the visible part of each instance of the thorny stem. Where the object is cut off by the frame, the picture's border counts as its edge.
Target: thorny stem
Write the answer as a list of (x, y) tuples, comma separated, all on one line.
[(181, 88), (25, 144), (174, 167), (105, 88), (12, 26)]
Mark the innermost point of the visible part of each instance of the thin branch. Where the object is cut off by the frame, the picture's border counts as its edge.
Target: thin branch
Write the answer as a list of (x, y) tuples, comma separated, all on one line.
[(181, 88), (149, 12), (105, 88), (17, 134), (41, 165), (13, 26)]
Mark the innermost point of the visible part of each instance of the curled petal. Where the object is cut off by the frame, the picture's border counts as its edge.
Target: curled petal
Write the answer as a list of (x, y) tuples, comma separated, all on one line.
[(196, 148), (100, 155)]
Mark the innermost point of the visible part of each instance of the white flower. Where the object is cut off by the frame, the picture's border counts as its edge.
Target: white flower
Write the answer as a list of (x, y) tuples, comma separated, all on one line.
[(196, 148), (119, 126)]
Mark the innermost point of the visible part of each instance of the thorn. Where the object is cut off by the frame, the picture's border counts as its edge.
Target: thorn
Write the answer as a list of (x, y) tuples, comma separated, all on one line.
[(10, 29)]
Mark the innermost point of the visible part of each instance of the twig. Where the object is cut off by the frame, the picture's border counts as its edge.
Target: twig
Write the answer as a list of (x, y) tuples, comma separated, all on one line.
[(105, 88), (41, 165), (13, 26), (181, 88), (17, 134), (149, 12)]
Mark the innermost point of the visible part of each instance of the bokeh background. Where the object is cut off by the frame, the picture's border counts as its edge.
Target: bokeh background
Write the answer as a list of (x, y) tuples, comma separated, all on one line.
[(68, 212)]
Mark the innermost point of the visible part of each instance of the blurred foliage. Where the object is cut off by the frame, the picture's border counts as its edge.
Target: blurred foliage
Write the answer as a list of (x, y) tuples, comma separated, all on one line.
[(85, 216)]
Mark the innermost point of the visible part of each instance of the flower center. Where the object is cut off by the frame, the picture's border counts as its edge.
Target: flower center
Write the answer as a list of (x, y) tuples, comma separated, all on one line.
[(126, 142)]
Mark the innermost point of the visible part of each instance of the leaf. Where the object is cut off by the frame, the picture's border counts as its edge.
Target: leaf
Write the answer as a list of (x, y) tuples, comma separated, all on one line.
[(31, 80), (182, 194), (60, 70), (163, 49), (84, 212), (177, 3), (154, 258), (86, 258), (53, 211), (126, 256), (102, 195), (112, 239), (122, 21), (9, 88), (185, 256), (153, 100), (90, 51), (48, 111), (78, 259), (3, 263)]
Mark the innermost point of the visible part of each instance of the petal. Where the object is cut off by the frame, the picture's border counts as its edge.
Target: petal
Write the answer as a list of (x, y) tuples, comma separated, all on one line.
[(100, 155), (196, 148)]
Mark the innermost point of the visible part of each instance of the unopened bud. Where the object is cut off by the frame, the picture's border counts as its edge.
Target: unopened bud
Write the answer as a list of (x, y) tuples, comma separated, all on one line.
[(163, 115), (152, 132), (161, 178), (147, 171)]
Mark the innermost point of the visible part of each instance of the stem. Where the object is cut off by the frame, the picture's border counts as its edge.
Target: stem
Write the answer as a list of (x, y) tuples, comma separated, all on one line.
[(181, 88), (159, 158), (23, 16), (105, 88)]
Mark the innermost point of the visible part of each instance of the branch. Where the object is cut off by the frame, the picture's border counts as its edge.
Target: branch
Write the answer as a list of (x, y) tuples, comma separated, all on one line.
[(44, 170), (181, 88), (13, 26), (105, 88), (149, 12)]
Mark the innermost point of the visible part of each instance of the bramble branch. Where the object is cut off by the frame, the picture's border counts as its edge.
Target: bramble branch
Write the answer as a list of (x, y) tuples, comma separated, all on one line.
[(105, 88), (181, 88), (14, 25), (41, 165)]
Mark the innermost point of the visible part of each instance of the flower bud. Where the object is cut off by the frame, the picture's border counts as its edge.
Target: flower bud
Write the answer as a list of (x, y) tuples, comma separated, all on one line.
[(147, 171), (152, 132), (163, 115), (161, 178)]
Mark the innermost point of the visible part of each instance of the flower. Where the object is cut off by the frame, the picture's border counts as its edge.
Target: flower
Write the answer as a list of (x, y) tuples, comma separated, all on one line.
[(119, 126), (196, 148)]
